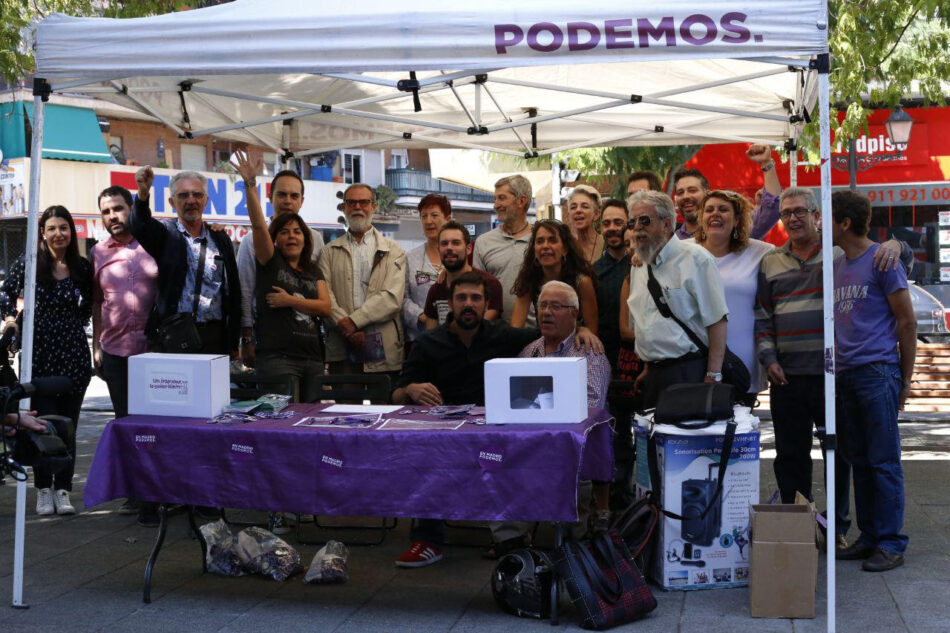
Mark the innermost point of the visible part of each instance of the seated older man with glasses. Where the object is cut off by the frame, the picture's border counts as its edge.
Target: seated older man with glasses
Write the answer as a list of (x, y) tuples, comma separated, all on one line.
[(558, 308)]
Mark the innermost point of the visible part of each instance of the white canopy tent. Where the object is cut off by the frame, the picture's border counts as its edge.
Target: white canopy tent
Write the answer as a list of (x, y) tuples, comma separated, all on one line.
[(530, 79)]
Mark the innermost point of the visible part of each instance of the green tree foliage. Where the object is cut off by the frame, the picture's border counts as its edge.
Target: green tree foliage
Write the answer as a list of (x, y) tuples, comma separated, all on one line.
[(386, 199), (19, 17), (613, 164), (883, 51)]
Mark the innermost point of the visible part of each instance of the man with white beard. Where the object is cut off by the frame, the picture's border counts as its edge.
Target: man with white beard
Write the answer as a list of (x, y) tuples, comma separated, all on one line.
[(366, 275), (688, 281)]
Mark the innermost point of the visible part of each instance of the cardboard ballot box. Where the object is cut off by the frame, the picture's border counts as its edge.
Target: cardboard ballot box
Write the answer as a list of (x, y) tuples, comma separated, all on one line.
[(708, 548), (545, 390), (784, 560), (179, 385)]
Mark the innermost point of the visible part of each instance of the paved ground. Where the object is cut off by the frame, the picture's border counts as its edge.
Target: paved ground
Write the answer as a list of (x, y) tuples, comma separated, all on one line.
[(84, 573)]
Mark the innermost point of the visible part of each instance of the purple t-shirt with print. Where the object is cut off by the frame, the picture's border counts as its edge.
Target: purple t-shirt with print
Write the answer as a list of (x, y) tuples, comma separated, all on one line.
[(865, 327)]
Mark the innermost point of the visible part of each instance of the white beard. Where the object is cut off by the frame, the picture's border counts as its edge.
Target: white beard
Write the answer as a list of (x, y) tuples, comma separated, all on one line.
[(647, 252), (361, 225)]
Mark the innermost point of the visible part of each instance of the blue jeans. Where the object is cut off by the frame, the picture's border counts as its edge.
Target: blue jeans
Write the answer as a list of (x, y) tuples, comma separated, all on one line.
[(867, 404)]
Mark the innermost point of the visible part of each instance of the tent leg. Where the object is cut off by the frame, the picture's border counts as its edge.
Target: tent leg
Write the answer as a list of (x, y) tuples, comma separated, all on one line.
[(828, 285), (41, 95), (18, 548)]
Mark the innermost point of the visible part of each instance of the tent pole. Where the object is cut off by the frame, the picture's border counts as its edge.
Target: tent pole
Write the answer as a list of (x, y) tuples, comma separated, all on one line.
[(827, 273), (119, 88), (40, 96)]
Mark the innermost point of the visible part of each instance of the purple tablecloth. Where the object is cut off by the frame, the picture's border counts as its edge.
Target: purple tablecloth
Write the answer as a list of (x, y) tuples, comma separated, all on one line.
[(478, 472)]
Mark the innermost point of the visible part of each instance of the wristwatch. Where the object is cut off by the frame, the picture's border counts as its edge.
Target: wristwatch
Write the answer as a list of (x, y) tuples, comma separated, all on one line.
[(715, 375), (768, 166)]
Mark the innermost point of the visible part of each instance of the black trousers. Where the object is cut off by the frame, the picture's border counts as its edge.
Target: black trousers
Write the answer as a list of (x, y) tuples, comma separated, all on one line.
[(797, 409), (662, 374), (115, 371)]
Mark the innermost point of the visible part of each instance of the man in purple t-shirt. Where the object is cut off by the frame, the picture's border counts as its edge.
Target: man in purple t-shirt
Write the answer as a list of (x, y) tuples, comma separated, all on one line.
[(875, 346)]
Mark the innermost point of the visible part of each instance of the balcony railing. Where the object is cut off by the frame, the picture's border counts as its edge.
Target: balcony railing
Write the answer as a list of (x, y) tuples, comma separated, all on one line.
[(411, 182)]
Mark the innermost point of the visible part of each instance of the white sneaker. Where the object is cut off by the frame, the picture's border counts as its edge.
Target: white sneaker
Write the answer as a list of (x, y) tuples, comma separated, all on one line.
[(61, 501), (44, 501)]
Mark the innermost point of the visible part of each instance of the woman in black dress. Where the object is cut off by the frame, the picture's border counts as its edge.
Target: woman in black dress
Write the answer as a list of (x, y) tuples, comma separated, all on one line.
[(63, 308)]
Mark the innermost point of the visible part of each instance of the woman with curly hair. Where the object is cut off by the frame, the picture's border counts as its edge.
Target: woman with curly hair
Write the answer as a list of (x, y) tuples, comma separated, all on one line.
[(725, 222), (552, 254), (63, 307)]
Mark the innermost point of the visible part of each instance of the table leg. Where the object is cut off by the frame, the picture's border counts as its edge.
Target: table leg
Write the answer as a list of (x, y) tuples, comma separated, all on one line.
[(162, 528), (200, 537), (558, 540)]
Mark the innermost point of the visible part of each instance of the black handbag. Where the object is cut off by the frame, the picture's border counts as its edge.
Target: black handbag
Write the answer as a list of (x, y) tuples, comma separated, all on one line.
[(699, 404), (734, 371), (697, 422), (604, 583), (46, 449), (638, 526), (178, 333)]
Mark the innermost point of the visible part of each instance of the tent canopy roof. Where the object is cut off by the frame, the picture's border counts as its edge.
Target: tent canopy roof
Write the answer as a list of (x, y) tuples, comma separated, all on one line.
[(488, 76)]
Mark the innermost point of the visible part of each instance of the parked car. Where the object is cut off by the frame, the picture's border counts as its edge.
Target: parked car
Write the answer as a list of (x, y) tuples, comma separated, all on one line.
[(933, 321)]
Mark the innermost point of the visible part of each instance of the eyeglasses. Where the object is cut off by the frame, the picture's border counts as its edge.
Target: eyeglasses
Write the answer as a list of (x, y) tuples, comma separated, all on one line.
[(553, 306), (362, 202), (184, 195), (798, 212), (641, 220)]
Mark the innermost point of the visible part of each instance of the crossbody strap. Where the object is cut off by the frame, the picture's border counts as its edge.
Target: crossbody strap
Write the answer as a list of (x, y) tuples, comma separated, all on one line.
[(199, 276), (723, 463), (654, 287)]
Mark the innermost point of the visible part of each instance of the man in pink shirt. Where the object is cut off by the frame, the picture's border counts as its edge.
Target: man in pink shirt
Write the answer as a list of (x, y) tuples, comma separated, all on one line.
[(124, 285)]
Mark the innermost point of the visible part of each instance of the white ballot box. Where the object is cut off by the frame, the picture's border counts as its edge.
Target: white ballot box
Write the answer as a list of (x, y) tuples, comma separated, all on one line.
[(536, 390), (179, 385)]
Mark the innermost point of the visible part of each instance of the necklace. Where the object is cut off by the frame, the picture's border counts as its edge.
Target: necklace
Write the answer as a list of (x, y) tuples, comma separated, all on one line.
[(513, 233), (437, 263)]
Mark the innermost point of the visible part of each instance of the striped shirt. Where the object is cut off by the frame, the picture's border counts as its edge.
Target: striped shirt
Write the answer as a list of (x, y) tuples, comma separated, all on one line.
[(789, 322)]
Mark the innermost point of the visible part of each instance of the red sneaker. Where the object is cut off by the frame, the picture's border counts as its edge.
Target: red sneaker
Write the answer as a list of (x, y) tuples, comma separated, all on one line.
[(419, 554)]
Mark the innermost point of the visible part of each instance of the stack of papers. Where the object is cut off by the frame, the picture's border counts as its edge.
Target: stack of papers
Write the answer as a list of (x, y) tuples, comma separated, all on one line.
[(273, 402), (242, 406)]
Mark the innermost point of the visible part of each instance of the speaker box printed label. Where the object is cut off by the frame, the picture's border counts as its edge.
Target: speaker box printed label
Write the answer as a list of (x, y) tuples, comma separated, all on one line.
[(706, 549)]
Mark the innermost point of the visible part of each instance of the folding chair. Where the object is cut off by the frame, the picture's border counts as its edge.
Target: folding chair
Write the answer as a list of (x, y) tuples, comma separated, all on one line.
[(250, 386), (349, 389), (353, 388)]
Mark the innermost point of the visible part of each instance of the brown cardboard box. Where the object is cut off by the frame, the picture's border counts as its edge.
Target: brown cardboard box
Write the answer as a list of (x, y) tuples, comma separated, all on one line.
[(783, 560)]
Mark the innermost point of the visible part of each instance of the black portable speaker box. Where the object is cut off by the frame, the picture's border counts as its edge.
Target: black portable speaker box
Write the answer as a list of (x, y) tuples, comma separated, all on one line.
[(699, 494)]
